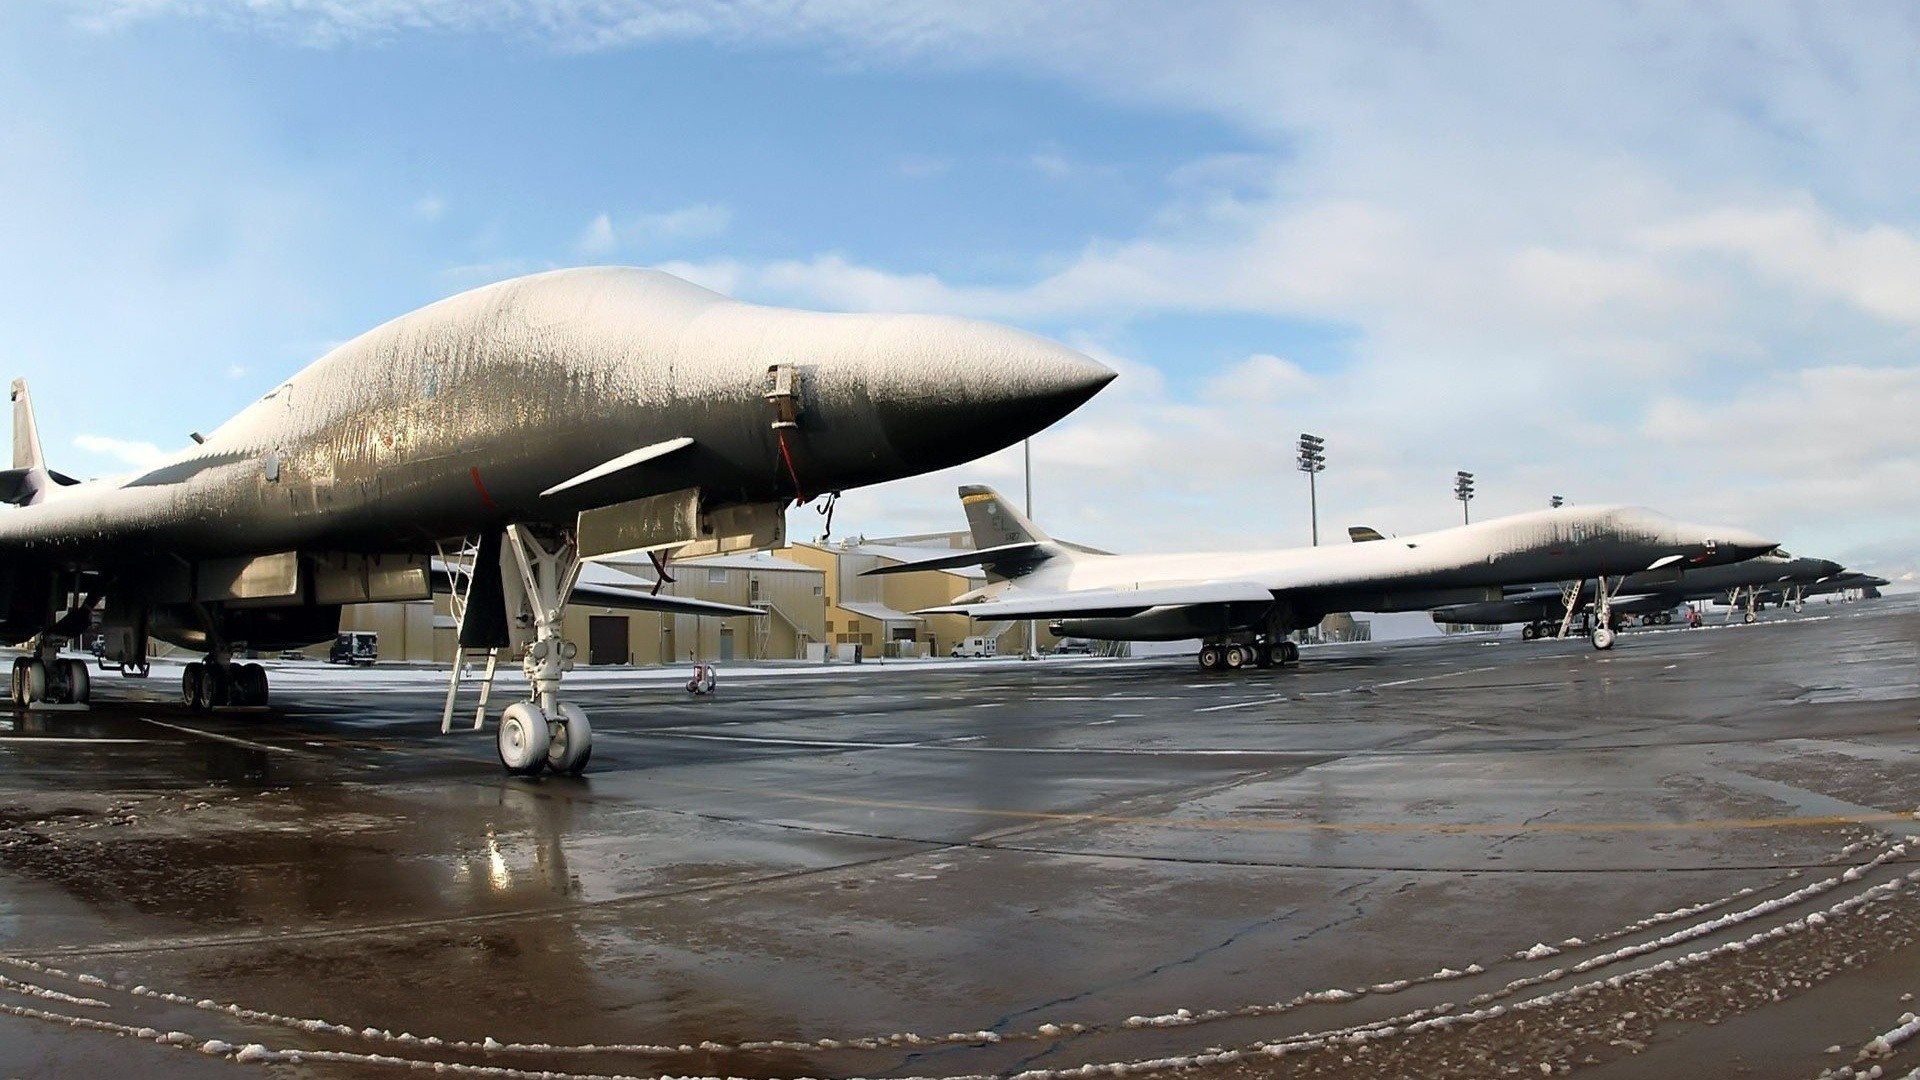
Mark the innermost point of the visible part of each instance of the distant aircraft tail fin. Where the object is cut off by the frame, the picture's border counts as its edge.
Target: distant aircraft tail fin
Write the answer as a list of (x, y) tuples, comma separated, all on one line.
[(1013, 544), (28, 481), (26, 434), (995, 521)]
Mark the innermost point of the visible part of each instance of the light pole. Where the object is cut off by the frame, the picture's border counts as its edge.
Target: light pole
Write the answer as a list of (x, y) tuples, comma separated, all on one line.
[(1033, 631), (1313, 459), (1463, 490)]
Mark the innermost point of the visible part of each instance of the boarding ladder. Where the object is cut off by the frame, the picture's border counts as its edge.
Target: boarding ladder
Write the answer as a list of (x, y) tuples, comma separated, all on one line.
[(459, 566), (1569, 600)]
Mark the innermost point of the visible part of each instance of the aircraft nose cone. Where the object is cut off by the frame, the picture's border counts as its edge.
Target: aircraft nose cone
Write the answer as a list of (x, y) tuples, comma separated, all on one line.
[(1748, 544), (949, 390)]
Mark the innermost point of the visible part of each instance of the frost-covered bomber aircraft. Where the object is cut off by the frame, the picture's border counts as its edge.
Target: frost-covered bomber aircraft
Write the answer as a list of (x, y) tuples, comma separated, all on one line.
[(1543, 608), (1242, 604), (532, 424)]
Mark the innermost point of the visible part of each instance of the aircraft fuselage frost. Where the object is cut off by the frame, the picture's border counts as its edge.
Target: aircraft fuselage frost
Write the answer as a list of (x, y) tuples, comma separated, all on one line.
[(527, 424)]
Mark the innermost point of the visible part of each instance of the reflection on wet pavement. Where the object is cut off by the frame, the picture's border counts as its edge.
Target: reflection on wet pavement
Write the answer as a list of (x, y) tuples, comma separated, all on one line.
[(1016, 867)]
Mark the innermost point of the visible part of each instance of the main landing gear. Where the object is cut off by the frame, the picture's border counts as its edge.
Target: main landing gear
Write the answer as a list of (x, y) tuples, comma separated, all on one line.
[(1234, 655), (545, 732), (45, 678), (217, 682)]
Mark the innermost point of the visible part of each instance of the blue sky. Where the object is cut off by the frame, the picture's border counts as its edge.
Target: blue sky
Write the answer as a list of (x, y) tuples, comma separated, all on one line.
[(1658, 254)]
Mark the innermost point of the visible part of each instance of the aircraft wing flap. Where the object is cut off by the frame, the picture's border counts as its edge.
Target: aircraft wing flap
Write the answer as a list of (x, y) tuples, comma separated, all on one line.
[(958, 559), (1020, 604), (637, 598), (640, 599)]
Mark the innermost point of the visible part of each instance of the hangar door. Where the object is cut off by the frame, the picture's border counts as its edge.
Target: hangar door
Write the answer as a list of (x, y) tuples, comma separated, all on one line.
[(606, 639)]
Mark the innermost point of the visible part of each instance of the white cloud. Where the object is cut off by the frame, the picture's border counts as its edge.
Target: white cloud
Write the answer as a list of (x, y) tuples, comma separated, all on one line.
[(236, 371), (139, 455), (598, 237), (1875, 267), (1051, 163), (696, 222), (429, 208)]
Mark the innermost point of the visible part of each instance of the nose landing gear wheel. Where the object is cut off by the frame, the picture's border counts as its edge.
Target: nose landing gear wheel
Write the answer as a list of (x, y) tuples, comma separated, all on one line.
[(571, 741), (524, 738), (1749, 618), (1602, 638)]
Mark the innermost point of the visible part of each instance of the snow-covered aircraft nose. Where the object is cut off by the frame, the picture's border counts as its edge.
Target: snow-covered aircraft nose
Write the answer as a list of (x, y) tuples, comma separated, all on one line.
[(1723, 545), (946, 390)]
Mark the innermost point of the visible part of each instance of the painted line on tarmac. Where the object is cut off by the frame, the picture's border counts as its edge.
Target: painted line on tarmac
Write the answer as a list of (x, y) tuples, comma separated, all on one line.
[(1276, 699), (852, 744), (215, 736), (1463, 828), (6, 738)]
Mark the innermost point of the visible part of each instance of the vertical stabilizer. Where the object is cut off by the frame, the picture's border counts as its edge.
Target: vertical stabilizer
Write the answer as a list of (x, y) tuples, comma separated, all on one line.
[(994, 521), (26, 435)]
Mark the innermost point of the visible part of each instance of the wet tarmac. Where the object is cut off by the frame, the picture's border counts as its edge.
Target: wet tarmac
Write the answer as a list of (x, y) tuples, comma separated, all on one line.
[(1684, 857)]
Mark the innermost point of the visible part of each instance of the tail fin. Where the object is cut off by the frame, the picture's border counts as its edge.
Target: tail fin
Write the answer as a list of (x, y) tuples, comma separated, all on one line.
[(1360, 534), (28, 481), (26, 434), (994, 521)]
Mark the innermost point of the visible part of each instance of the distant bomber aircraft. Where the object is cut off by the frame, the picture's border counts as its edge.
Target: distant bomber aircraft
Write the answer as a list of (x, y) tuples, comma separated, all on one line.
[(1543, 608), (532, 423), (1866, 586), (1243, 604)]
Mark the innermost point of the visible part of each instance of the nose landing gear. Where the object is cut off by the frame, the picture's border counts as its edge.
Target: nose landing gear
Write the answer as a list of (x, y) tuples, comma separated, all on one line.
[(545, 732)]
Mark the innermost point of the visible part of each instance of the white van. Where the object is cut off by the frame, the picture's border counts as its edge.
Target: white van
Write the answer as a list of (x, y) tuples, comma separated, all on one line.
[(976, 648)]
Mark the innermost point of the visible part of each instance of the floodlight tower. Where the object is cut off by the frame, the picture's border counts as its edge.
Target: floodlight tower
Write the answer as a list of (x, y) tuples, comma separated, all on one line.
[(1313, 459), (1463, 490), (1032, 650)]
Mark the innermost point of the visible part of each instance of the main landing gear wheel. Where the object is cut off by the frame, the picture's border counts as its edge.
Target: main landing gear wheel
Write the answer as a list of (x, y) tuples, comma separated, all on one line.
[(570, 741), (1529, 632), (1235, 657), (79, 682), (1212, 658), (249, 684), (193, 687), (61, 682), (1263, 656), (1289, 653), (524, 738), (1602, 637)]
